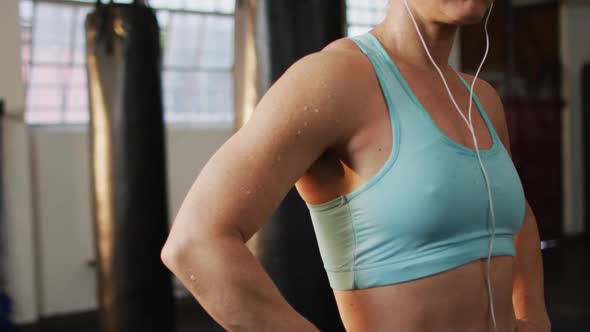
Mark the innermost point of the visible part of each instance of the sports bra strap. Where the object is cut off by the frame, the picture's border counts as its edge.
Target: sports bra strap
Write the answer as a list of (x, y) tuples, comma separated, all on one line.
[(386, 74)]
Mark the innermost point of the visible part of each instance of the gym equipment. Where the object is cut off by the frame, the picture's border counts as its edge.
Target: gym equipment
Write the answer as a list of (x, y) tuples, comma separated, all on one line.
[(128, 167)]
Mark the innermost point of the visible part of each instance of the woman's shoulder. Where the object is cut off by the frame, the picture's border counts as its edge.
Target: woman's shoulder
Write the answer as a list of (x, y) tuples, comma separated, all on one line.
[(338, 69), (343, 45), (340, 57), (340, 66)]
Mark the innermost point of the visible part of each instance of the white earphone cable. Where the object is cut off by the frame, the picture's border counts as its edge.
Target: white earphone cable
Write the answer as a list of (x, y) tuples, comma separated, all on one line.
[(471, 129)]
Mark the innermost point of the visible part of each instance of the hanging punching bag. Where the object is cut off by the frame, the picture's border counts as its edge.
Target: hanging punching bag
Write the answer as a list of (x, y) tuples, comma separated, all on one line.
[(286, 246), (128, 168)]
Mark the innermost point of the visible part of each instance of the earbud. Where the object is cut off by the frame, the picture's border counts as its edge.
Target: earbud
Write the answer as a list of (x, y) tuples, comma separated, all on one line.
[(469, 123)]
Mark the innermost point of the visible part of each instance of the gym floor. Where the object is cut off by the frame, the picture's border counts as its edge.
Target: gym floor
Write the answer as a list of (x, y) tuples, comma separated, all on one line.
[(567, 273)]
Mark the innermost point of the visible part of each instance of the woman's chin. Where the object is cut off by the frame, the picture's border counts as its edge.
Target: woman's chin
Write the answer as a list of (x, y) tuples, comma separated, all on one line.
[(466, 20), (470, 14)]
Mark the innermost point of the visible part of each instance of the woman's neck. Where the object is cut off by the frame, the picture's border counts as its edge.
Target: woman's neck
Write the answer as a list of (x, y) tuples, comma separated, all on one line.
[(398, 34)]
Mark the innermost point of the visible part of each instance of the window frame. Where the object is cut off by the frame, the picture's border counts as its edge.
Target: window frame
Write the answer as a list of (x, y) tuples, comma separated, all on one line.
[(63, 115), (375, 8)]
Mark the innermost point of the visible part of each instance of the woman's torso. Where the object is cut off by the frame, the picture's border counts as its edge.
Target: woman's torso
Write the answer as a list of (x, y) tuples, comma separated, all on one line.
[(453, 300)]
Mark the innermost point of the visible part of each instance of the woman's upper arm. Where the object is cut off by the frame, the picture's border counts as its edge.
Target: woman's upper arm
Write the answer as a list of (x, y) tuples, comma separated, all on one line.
[(305, 112)]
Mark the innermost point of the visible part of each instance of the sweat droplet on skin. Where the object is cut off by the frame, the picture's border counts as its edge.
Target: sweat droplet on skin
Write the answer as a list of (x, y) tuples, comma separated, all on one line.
[(305, 108), (298, 133), (316, 110), (192, 277)]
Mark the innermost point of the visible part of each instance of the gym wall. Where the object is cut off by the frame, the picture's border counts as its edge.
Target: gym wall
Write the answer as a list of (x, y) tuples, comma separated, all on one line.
[(18, 232), (575, 51)]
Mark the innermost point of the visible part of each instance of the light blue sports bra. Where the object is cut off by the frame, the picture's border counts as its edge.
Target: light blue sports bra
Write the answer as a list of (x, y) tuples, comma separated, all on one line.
[(427, 209)]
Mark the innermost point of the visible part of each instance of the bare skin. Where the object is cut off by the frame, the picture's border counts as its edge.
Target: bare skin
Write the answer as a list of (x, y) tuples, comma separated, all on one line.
[(324, 126)]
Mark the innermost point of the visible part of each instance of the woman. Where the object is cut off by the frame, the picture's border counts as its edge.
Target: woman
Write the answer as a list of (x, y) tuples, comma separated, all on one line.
[(367, 132)]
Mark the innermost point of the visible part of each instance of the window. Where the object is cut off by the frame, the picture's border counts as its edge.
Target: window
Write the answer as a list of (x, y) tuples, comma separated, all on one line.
[(197, 42), (363, 15)]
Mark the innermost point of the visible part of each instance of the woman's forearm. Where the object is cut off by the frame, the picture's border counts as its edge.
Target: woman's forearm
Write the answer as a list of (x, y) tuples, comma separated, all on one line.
[(231, 285), (528, 288), (528, 298)]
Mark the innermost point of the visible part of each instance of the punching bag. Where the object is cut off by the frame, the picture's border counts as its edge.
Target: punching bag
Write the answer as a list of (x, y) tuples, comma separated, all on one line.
[(286, 245), (128, 168)]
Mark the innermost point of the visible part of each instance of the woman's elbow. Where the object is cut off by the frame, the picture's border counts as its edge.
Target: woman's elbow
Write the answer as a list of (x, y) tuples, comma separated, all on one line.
[(176, 249), (171, 254), (187, 241)]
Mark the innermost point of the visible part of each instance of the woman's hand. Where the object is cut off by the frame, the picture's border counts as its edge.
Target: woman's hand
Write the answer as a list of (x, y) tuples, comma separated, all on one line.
[(526, 326)]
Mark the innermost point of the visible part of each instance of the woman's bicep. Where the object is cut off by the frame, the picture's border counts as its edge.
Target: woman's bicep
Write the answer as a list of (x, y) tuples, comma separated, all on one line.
[(249, 175)]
